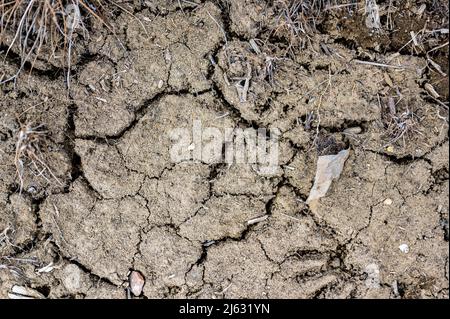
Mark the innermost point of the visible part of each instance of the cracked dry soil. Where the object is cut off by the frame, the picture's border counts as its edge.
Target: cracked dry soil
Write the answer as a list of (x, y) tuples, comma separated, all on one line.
[(123, 205)]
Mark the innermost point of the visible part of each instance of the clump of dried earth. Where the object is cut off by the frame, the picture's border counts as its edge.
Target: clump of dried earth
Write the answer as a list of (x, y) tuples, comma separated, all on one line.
[(123, 205)]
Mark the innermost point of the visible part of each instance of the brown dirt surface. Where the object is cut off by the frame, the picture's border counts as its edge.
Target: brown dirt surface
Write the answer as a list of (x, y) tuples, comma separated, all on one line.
[(111, 200)]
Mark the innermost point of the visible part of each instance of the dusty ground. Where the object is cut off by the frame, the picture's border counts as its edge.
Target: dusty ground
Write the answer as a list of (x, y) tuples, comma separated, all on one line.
[(122, 205)]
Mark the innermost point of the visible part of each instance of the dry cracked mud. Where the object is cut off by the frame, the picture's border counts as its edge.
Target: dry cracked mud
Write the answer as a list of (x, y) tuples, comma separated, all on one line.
[(199, 229)]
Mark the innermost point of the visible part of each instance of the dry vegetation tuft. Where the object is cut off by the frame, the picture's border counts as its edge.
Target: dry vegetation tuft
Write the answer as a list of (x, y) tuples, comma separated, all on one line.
[(297, 20), (29, 154), (400, 126), (37, 25)]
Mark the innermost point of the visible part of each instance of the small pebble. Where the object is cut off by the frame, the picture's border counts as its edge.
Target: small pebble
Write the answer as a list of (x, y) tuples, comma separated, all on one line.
[(387, 201), (353, 130), (390, 149), (137, 282), (32, 190), (404, 248)]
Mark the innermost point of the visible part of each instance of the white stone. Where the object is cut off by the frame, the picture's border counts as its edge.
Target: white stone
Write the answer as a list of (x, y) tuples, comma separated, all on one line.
[(404, 248)]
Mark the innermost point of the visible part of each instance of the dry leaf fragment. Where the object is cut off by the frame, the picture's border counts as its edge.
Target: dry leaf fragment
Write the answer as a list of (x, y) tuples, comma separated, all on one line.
[(329, 168)]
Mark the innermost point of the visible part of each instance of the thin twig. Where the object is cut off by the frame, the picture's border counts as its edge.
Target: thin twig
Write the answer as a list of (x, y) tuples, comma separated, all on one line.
[(380, 64)]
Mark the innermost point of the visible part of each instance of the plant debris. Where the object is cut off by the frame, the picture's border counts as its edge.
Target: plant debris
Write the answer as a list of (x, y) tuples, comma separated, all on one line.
[(329, 168)]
